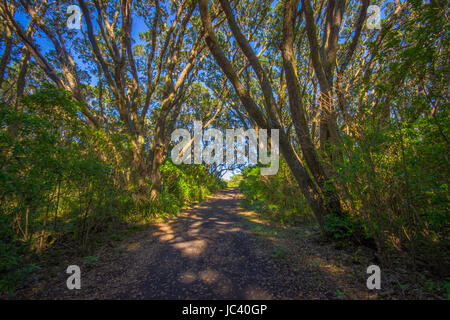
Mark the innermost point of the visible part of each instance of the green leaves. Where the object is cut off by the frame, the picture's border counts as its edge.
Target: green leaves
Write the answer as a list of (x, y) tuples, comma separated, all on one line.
[(51, 168), (277, 196), (183, 184)]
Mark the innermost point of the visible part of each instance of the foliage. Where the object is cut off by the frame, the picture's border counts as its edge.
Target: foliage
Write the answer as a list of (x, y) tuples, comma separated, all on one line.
[(56, 184), (275, 195), (393, 174), (75, 165), (235, 180), (390, 163)]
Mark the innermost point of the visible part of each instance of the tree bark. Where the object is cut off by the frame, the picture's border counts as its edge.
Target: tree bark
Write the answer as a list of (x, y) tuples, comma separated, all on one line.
[(6, 55), (298, 113)]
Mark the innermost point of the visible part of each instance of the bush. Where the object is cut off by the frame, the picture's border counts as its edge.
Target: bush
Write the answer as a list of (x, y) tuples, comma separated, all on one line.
[(277, 196), (60, 181)]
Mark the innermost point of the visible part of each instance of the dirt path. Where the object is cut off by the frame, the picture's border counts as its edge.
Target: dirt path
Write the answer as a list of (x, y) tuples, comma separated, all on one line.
[(215, 250)]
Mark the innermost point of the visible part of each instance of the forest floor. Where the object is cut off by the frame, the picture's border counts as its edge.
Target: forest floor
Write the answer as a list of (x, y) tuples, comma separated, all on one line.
[(214, 250)]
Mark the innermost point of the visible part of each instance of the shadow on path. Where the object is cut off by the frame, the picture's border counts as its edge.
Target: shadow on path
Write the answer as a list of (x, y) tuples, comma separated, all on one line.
[(211, 251), (208, 254)]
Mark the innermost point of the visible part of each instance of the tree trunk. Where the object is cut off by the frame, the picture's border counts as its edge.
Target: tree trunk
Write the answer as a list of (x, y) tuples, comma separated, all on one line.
[(307, 186), (6, 55), (298, 112)]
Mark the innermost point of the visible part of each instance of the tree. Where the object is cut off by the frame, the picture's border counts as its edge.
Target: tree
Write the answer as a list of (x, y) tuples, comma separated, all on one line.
[(321, 204), (146, 98)]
